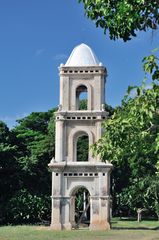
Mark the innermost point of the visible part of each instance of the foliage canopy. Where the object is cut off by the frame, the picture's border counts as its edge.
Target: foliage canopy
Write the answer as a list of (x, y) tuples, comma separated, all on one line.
[(131, 142), (123, 18)]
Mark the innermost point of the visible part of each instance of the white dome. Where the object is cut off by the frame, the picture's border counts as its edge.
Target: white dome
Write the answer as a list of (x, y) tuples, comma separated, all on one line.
[(82, 55)]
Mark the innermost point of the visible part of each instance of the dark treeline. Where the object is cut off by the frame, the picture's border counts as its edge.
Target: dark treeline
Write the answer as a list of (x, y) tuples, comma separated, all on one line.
[(25, 180)]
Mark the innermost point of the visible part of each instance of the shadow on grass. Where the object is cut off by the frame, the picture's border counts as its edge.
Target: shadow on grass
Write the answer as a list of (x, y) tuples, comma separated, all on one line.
[(135, 228), (131, 221)]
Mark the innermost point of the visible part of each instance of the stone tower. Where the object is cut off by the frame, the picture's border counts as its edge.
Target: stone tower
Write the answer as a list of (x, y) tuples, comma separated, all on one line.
[(81, 73)]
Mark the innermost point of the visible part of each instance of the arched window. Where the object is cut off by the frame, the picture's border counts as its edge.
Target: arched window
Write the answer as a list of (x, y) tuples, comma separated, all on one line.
[(82, 148), (81, 98)]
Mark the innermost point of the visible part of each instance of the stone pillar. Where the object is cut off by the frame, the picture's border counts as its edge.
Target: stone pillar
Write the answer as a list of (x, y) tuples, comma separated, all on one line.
[(56, 202), (56, 217), (59, 150), (72, 211), (94, 213), (104, 213), (99, 131), (100, 215), (90, 98), (99, 209), (64, 92), (73, 99), (103, 89), (97, 92), (104, 192), (98, 136), (84, 204), (65, 213), (108, 195)]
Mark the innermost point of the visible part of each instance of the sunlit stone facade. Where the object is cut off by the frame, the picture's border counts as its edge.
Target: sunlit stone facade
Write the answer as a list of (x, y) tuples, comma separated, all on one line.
[(81, 73)]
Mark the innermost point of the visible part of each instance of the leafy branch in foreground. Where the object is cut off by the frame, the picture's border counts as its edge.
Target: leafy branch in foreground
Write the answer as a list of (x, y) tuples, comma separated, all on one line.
[(122, 19)]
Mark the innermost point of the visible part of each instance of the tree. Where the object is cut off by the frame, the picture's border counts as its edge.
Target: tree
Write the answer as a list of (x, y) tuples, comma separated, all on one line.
[(36, 148), (153, 192), (9, 169), (123, 18), (131, 141), (82, 148), (35, 139), (131, 137)]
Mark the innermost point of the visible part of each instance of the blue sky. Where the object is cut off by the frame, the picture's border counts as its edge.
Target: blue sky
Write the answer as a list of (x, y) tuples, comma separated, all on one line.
[(37, 35)]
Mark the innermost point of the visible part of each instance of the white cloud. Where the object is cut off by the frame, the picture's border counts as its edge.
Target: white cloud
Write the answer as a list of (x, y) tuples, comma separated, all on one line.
[(60, 56), (39, 51)]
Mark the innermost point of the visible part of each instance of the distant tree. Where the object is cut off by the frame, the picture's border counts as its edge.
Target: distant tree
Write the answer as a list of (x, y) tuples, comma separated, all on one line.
[(131, 141), (153, 193), (82, 148), (9, 169), (122, 19), (83, 104), (109, 109), (27, 207), (25, 182), (35, 136)]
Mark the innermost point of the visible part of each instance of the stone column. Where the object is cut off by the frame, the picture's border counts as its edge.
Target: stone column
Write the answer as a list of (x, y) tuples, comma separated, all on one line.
[(84, 204), (64, 93), (100, 204), (90, 98), (99, 211), (103, 81), (56, 202), (98, 136), (56, 218), (97, 92), (65, 213), (108, 194), (104, 213), (98, 130), (72, 211), (59, 150), (61, 91), (105, 198), (73, 99), (94, 213)]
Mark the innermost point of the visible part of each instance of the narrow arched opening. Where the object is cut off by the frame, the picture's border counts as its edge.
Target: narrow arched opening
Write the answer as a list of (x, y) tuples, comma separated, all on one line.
[(81, 98), (81, 207), (82, 148)]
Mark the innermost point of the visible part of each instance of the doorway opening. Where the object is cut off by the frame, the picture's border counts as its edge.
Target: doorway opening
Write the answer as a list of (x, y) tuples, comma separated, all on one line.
[(81, 197)]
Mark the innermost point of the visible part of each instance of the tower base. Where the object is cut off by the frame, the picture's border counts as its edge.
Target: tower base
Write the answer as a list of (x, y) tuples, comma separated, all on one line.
[(58, 227), (99, 226)]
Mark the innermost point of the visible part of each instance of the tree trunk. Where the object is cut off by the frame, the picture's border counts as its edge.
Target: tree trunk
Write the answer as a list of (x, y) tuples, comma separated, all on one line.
[(139, 211), (139, 216)]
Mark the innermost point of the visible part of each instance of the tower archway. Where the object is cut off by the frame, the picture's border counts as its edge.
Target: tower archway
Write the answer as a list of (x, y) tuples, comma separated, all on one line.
[(80, 207), (78, 134), (82, 148), (81, 97), (81, 91)]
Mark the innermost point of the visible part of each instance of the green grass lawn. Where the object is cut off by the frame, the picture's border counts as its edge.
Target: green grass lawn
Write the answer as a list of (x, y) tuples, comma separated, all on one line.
[(133, 224), (122, 230)]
